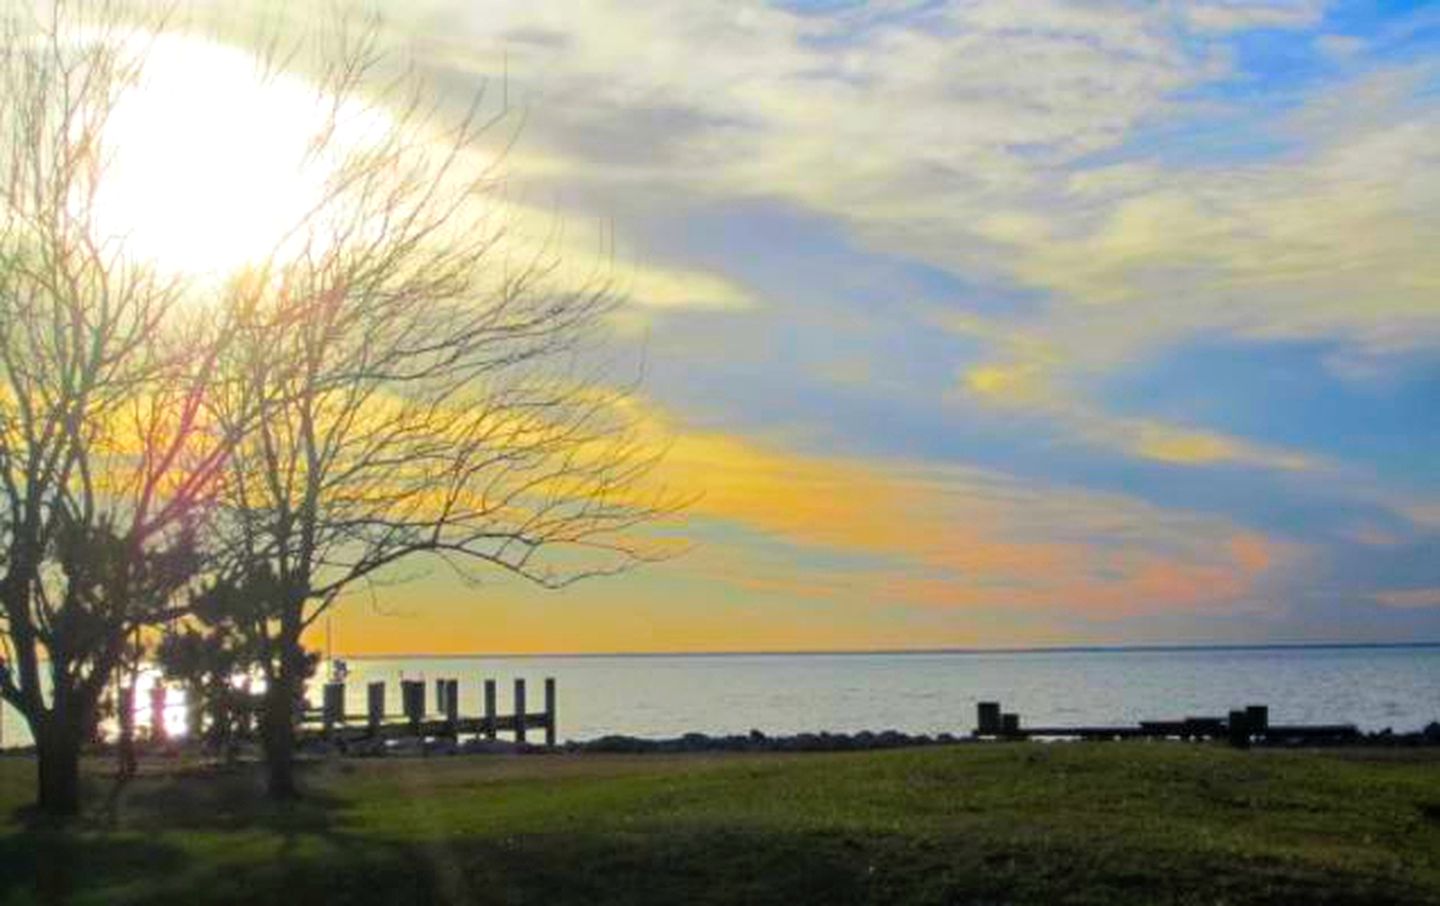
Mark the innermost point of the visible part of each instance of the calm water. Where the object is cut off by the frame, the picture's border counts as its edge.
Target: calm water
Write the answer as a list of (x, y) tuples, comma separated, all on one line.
[(926, 693), (930, 693)]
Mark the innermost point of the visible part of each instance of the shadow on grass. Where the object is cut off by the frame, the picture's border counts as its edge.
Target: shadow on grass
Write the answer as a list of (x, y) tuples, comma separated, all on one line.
[(708, 867), (125, 840), (219, 799), (746, 865), (52, 866), (207, 835)]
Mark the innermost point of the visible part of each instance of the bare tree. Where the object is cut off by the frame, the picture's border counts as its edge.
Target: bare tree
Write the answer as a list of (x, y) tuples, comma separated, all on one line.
[(428, 385), (108, 456)]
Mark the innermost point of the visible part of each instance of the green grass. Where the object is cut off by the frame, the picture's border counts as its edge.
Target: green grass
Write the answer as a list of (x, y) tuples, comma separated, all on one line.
[(996, 823)]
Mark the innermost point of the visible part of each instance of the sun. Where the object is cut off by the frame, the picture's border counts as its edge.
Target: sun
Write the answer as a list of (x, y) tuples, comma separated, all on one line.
[(209, 159)]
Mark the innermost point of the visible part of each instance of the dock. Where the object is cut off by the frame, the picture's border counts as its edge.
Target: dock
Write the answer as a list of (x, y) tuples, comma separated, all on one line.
[(1240, 727), (331, 722)]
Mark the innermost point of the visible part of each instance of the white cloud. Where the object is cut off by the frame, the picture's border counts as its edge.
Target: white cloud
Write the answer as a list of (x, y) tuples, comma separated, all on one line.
[(1235, 15), (965, 135)]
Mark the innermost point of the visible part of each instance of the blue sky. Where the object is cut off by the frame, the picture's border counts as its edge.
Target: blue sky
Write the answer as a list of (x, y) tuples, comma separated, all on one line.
[(997, 323)]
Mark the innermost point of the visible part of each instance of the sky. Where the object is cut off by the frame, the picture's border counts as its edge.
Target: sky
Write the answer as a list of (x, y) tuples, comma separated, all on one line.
[(985, 324)]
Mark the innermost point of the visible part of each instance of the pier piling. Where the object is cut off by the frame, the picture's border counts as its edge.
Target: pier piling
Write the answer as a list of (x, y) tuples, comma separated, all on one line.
[(1238, 729), (375, 700), (987, 719), (550, 711), (452, 704), (519, 710), (1258, 717), (412, 699), (334, 705)]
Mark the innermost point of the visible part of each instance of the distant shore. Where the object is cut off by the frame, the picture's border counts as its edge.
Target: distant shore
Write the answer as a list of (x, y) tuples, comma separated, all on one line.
[(862, 652)]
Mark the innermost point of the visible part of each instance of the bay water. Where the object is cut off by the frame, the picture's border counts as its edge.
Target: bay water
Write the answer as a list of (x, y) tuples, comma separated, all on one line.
[(916, 692)]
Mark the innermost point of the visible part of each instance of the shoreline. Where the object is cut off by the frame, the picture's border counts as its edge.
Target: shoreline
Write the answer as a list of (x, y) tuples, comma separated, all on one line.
[(874, 652), (755, 741)]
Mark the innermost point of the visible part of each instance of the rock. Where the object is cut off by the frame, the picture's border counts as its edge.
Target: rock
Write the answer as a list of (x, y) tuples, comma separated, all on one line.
[(695, 742), (494, 746), (366, 748), (619, 744), (441, 746)]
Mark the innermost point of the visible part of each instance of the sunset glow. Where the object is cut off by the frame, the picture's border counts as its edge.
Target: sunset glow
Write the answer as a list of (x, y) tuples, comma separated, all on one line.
[(1134, 342), (210, 159)]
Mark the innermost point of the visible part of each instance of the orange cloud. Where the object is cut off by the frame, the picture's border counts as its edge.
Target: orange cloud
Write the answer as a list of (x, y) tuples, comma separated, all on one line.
[(1028, 385), (806, 551), (966, 537)]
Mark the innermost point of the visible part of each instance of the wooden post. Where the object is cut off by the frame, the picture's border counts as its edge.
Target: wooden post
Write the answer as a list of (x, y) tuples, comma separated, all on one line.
[(375, 699), (987, 719), (412, 699), (519, 710), (1258, 717), (157, 711), (452, 704), (1238, 728), (550, 711), (333, 705), (489, 709)]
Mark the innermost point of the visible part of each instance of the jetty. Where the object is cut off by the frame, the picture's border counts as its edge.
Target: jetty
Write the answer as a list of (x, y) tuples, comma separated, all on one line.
[(1240, 727), (332, 723)]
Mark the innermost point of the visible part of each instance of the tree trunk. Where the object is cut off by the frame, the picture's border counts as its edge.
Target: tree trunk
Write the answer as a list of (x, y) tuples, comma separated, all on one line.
[(57, 752), (281, 695), (279, 736), (125, 745)]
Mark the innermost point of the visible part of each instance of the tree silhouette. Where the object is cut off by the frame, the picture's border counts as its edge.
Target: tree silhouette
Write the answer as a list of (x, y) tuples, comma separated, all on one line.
[(399, 378), (424, 387), (109, 460)]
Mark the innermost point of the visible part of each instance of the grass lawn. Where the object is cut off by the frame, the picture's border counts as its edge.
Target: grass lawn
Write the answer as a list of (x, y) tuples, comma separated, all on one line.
[(1079, 823)]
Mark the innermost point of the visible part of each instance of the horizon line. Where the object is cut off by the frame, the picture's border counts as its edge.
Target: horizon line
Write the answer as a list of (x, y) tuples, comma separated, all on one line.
[(801, 652)]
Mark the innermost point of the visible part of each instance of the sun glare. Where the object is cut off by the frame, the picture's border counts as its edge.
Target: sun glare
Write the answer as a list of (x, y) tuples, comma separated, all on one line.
[(208, 166)]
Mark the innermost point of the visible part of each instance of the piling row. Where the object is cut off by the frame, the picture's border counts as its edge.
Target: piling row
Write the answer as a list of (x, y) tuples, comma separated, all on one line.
[(412, 720)]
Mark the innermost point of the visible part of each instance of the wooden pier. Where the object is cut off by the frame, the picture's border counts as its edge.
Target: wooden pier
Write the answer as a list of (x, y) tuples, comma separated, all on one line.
[(1240, 728), (331, 722)]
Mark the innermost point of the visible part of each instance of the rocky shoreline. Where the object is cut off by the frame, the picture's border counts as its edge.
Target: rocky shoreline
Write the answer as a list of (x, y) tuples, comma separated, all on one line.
[(756, 741)]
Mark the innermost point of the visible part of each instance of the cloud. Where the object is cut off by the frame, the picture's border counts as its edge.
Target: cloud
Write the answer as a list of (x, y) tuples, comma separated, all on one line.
[(914, 127), (1332, 240), (1059, 153), (1237, 16), (1409, 598), (937, 535), (1029, 383)]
